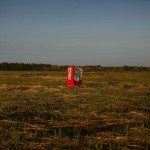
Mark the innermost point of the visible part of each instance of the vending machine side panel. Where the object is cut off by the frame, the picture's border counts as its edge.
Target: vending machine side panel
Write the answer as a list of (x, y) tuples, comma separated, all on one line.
[(70, 75)]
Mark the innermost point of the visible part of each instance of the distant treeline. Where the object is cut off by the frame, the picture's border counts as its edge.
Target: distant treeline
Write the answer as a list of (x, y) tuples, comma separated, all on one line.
[(123, 68), (47, 67), (29, 67)]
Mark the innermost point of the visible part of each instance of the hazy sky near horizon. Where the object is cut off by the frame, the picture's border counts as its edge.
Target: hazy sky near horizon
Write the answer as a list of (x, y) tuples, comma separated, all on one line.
[(75, 32)]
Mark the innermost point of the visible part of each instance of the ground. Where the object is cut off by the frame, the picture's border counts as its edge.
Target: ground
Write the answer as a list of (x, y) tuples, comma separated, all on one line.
[(109, 111)]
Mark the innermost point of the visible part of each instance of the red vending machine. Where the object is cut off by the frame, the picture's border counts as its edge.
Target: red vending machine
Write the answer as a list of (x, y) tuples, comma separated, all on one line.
[(74, 76)]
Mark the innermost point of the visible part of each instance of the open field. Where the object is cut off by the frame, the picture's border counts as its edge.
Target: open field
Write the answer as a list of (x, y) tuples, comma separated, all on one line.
[(111, 110)]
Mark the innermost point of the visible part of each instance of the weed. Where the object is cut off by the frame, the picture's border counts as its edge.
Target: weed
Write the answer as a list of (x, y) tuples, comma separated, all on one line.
[(110, 111)]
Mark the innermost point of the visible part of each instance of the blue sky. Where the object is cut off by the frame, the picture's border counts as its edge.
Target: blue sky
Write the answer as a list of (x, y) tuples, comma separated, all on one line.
[(75, 32)]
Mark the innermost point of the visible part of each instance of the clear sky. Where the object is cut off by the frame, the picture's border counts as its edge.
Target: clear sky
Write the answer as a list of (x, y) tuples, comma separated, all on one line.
[(75, 32)]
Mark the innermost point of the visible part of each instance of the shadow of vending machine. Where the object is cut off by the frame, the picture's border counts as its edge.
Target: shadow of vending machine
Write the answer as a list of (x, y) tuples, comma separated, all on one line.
[(74, 76)]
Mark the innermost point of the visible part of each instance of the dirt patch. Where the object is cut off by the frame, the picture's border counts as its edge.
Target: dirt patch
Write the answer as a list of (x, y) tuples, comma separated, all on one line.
[(4, 88), (32, 89), (137, 115)]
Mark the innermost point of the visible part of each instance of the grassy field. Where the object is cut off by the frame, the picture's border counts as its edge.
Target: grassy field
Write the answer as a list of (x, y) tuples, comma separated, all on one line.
[(111, 110)]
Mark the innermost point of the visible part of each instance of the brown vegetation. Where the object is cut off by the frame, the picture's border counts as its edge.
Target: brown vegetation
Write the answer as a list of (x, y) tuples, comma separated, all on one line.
[(109, 111)]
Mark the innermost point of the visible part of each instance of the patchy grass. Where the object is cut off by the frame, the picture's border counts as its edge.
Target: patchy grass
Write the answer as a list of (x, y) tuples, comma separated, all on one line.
[(109, 111)]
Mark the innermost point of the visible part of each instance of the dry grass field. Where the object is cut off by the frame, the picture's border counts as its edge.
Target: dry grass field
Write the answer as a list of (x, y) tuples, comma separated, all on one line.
[(111, 110)]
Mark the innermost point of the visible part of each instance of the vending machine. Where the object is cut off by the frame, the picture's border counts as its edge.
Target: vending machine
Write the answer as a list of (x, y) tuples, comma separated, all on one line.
[(74, 76)]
